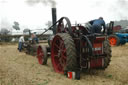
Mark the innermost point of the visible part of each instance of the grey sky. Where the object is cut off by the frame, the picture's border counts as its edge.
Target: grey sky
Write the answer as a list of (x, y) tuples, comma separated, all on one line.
[(36, 15)]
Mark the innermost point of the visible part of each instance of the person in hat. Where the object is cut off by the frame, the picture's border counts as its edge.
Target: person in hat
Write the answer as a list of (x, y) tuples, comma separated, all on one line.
[(97, 25)]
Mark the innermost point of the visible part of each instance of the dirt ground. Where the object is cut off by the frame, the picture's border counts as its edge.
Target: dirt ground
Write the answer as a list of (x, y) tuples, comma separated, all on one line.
[(17, 68)]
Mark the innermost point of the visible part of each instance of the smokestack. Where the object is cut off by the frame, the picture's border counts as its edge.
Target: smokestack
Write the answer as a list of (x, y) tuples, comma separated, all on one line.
[(54, 20)]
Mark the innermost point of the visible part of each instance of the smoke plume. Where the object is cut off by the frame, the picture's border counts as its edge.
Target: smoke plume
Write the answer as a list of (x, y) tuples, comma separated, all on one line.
[(116, 8), (119, 8), (52, 3)]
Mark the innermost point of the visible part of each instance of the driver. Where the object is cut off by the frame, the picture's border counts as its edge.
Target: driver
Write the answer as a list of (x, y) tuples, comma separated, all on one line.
[(97, 25)]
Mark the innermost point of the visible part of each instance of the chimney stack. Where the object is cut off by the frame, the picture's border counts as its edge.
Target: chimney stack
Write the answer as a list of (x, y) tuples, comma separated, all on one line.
[(54, 20)]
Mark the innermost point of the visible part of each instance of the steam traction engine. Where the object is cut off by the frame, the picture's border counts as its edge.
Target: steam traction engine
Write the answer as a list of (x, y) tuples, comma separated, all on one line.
[(74, 48)]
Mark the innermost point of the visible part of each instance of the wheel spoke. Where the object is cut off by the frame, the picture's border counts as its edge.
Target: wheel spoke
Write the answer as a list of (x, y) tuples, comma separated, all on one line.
[(59, 66), (56, 56), (64, 56), (57, 47), (41, 54), (64, 51), (62, 62), (40, 60), (61, 44)]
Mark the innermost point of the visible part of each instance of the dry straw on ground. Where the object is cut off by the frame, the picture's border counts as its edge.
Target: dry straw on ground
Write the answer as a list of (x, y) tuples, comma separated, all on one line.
[(21, 69)]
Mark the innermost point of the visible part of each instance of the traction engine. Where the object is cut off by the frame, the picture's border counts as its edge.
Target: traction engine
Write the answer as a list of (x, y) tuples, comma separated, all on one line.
[(74, 47)]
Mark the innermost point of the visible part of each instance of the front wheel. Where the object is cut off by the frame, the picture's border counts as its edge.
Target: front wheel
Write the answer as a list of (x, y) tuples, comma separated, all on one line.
[(42, 55), (113, 40)]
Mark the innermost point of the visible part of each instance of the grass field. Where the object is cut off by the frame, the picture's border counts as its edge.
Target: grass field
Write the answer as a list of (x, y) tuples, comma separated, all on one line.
[(17, 68)]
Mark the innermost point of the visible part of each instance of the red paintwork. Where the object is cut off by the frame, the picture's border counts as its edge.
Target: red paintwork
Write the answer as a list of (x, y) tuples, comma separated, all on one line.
[(58, 54), (40, 55), (95, 63), (98, 45), (98, 48), (58, 50), (100, 39), (117, 28), (112, 41)]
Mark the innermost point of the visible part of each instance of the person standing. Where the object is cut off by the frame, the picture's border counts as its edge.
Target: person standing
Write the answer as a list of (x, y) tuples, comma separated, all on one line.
[(21, 42)]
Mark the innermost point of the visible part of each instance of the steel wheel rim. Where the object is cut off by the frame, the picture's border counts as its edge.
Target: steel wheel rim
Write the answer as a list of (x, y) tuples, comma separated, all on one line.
[(58, 55), (112, 41), (40, 55)]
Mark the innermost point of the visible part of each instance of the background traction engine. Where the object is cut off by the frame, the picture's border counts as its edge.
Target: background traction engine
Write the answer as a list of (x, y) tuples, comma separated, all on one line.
[(74, 48)]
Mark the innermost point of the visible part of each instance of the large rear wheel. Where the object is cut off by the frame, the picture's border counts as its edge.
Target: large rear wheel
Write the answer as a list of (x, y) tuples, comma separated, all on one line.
[(107, 52), (63, 53)]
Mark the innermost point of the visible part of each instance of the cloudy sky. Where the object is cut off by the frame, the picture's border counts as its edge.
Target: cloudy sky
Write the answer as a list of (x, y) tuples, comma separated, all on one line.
[(34, 14)]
